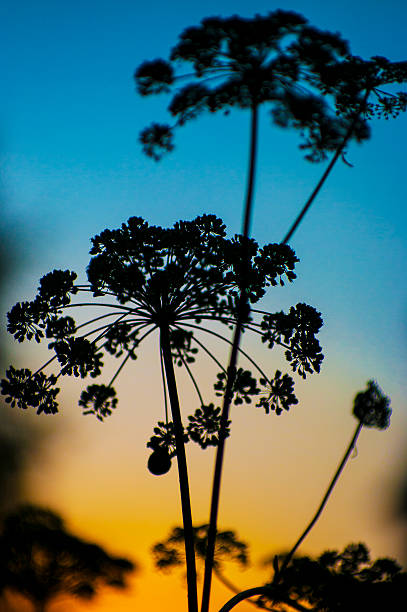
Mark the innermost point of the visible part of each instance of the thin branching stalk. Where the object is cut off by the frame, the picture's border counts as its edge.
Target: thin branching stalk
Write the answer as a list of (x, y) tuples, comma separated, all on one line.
[(331, 164), (192, 377), (182, 467), (323, 502), (242, 311), (241, 351)]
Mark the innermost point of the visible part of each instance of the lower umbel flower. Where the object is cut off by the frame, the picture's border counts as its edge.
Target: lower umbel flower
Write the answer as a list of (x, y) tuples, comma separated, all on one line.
[(183, 284)]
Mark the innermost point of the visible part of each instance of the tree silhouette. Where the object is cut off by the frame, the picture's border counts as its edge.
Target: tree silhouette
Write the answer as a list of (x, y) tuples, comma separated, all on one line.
[(177, 282), (41, 560)]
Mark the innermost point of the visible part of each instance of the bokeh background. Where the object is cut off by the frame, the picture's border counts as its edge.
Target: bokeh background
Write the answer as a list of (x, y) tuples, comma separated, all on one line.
[(72, 166)]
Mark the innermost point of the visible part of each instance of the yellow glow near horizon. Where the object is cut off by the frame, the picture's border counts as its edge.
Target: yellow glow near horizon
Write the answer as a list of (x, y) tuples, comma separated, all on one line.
[(276, 470)]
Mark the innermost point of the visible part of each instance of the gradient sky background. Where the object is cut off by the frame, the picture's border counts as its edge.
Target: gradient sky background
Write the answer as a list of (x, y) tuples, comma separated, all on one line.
[(72, 165)]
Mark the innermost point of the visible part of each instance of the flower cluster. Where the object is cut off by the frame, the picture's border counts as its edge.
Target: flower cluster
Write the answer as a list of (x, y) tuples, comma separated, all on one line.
[(296, 332), (307, 76), (24, 389), (280, 394), (371, 407), (187, 280)]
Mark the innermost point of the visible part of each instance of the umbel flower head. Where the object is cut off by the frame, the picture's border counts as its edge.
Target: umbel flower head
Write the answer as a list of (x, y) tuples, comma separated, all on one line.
[(306, 76), (372, 407), (176, 281)]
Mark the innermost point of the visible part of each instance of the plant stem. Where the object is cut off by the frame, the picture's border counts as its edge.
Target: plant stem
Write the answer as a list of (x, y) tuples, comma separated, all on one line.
[(331, 164), (229, 585), (261, 590), (242, 308), (323, 502), (182, 468)]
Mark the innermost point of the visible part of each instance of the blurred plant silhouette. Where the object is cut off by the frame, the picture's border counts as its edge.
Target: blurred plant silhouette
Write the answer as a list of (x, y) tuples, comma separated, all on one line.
[(337, 582), (170, 553), (41, 560), (191, 282), (19, 438)]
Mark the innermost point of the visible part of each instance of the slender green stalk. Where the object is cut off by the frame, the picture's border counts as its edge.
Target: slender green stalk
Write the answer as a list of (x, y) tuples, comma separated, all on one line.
[(242, 309), (182, 468), (328, 170), (324, 500)]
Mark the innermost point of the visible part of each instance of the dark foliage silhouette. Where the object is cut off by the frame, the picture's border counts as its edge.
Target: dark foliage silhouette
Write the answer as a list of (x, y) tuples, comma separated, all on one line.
[(337, 582), (333, 582), (41, 560)]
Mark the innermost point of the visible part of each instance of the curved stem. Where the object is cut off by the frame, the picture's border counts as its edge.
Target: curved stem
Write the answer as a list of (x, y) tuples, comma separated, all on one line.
[(261, 590), (242, 307), (229, 585), (208, 352), (324, 500), (252, 167), (182, 468), (328, 170)]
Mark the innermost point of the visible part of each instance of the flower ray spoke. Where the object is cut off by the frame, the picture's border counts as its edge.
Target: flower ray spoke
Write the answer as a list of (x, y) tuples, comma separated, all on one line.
[(164, 383), (188, 369), (44, 365), (120, 368), (209, 353), (240, 350)]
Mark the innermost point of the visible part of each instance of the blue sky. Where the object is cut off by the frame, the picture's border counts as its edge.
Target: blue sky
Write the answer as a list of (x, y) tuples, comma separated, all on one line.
[(72, 165)]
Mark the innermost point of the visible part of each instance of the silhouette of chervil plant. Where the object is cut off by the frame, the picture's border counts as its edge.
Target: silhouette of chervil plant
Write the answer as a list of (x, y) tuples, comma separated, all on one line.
[(191, 282)]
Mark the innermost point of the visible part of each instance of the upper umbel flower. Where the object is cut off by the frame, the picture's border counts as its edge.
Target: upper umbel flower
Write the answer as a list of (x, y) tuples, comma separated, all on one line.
[(306, 76)]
